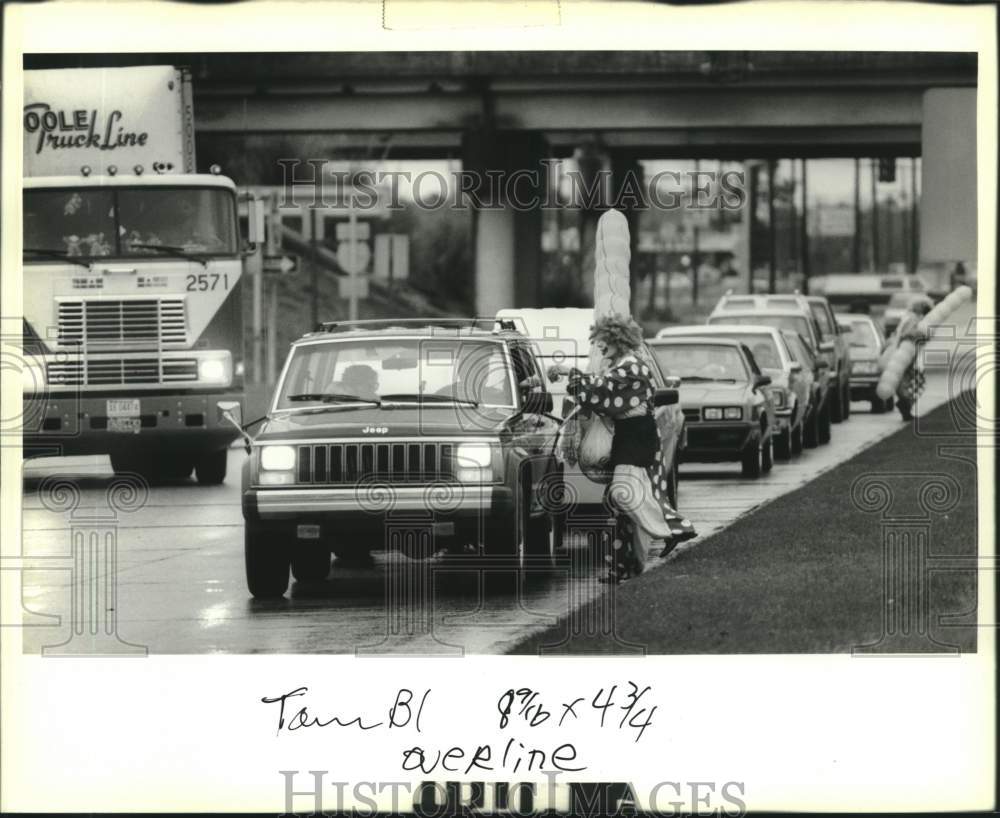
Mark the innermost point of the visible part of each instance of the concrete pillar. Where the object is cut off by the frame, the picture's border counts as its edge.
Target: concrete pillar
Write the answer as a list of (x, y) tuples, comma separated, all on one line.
[(948, 213), (508, 238), (495, 270)]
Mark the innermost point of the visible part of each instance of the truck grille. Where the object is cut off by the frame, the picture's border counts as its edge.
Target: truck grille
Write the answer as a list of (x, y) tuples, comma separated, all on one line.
[(347, 463), (152, 323), (121, 371)]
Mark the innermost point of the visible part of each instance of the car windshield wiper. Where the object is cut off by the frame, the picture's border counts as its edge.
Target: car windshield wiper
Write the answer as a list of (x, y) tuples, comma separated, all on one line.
[(332, 397), (173, 250), (58, 254), (421, 397), (703, 379)]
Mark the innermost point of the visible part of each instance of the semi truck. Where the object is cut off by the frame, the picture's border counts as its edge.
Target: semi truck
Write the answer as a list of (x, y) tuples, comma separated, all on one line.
[(133, 267)]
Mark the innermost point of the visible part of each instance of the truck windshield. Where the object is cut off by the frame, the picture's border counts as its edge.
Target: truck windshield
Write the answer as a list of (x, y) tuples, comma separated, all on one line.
[(431, 370), (129, 222)]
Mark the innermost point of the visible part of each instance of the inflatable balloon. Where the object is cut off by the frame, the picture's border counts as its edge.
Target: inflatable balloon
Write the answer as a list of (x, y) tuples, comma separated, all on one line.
[(901, 359), (612, 296)]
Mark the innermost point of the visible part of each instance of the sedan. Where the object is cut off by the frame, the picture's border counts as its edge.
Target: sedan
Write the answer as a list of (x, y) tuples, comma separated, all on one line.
[(728, 413), (867, 344), (791, 388)]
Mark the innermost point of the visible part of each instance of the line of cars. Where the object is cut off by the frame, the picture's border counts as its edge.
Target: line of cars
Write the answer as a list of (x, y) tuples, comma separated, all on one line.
[(431, 436), (765, 377)]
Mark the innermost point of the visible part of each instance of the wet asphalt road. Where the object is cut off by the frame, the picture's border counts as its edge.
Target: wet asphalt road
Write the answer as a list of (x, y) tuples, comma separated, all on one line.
[(180, 578)]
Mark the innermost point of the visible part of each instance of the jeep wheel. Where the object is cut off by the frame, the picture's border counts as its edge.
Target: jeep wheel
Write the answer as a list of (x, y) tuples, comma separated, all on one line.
[(310, 563), (750, 459), (783, 445), (267, 561), (211, 469)]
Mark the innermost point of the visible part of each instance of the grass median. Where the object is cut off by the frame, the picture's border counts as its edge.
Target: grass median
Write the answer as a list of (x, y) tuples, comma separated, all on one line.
[(807, 573)]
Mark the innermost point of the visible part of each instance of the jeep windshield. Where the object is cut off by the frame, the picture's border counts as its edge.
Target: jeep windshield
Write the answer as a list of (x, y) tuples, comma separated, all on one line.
[(432, 372)]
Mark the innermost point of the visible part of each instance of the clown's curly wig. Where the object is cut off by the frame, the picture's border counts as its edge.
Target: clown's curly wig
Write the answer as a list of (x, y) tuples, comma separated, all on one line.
[(621, 331)]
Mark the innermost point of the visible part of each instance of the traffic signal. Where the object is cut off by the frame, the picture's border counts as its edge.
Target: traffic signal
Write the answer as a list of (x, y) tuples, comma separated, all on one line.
[(887, 169)]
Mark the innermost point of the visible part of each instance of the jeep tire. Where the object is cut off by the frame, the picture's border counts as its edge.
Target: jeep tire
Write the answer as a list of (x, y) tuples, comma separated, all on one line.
[(267, 560)]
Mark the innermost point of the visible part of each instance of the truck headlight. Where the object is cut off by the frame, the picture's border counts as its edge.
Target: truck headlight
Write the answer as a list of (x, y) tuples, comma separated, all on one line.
[(216, 369), (474, 463), (32, 379), (733, 413)]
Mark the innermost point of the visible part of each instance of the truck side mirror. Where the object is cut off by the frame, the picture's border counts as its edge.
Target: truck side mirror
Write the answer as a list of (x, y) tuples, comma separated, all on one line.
[(666, 397), (255, 221)]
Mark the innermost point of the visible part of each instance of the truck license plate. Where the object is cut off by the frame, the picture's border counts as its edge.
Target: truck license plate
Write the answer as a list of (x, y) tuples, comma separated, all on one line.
[(123, 415)]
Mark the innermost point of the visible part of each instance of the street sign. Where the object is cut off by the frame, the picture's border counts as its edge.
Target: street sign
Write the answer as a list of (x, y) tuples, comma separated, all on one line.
[(352, 286), (361, 231), (353, 256), (281, 265)]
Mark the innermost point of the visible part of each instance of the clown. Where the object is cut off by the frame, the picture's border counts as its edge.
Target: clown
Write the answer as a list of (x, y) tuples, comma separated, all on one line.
[(617, 413)]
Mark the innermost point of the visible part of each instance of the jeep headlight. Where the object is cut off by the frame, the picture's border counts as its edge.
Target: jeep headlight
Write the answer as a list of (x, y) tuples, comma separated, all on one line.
[(277, 465), (779, 397), (733, 413), (216, 369), (474, 463)]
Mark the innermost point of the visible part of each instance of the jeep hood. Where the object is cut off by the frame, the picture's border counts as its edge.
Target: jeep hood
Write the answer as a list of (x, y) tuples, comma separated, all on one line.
[(425, 420)]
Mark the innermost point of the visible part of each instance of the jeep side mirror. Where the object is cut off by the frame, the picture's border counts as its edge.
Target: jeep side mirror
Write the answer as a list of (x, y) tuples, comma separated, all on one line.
[(822, 364), (796, 366), (672, 381), (761, 380), (666, 397), (232, 413), (826, 346)]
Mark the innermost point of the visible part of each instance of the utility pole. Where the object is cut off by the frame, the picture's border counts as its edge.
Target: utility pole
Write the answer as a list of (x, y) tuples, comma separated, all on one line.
[(273, 249), (856, 249), (314, 269), (352, 241), (874, 187), (914, 246), (804, 230), (255, 265), (772, 229)]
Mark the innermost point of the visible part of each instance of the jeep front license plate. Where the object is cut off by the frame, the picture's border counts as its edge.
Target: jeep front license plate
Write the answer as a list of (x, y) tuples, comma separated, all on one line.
[(123, 415)]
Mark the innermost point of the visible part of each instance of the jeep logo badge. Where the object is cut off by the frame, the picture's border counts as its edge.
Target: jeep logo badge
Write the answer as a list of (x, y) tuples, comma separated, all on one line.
[(375, 430)]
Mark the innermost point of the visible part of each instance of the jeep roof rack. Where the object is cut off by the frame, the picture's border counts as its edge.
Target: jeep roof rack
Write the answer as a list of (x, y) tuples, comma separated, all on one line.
[(484, 324)]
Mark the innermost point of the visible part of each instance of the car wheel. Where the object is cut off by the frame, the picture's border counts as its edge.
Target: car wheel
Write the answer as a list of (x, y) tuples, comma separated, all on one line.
[(267, 561), (797, 440), (750, 459), (673, 485), (211, 469), (310, 563), (824, 423), (767, 454), (878, 406), (846, 401), (835, 401), (810, 435), (783, 445), (890, 404)]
